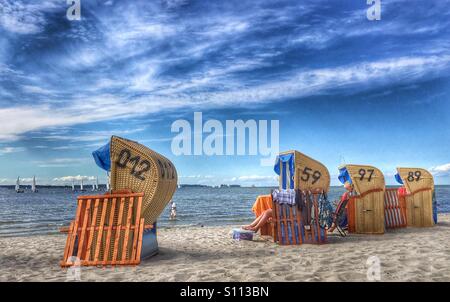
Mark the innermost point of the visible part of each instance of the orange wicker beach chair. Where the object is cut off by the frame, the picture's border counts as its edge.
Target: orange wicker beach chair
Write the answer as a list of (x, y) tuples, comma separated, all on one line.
[(107, 230), (120, 228)]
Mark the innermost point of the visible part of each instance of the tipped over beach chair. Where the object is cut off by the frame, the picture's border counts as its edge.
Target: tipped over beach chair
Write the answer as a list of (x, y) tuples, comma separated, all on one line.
[(108, 230), (119, 228)]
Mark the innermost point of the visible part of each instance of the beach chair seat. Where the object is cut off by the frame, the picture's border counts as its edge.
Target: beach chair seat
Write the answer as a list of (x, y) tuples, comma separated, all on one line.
[(394, 209), (291, 225), (107, 230)]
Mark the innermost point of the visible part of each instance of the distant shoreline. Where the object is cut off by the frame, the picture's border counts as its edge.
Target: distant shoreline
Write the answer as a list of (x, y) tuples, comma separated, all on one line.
[(182, 186)]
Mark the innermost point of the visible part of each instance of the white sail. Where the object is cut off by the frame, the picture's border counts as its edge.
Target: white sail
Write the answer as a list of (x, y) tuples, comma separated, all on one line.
[(93, 187), (33, 186), (17, 184), (73, 185), (96, 184), (81, 185), (108, 179)]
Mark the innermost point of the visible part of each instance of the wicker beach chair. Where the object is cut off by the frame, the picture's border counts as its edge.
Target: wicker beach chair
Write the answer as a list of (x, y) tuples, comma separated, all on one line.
[(365, 209), (420, 201), (136, 167), (109, 229)]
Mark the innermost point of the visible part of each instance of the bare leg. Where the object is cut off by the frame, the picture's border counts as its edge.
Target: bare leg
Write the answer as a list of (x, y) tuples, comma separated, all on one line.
[(254, 223), (264, 218)]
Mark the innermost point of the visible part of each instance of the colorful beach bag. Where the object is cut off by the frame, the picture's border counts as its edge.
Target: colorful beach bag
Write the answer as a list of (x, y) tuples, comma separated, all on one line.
[(240, 234)]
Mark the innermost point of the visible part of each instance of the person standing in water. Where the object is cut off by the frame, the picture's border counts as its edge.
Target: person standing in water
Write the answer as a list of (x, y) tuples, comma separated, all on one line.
[(173, 211)]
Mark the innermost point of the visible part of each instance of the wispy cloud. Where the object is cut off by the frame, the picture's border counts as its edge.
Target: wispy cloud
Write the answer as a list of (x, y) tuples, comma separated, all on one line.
[(306, 83), (442, 170), (61, 162), (6, 150), (74, 178), (21, 17)]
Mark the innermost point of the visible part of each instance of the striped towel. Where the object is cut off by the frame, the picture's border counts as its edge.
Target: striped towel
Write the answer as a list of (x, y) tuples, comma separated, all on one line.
[(284, 196)]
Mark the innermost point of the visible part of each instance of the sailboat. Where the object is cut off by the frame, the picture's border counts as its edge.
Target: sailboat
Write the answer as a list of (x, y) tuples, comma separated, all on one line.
[(108, 179), (96, 184), (73, 185), (93, 187), (18, 189), (81, 185), (33, 185)]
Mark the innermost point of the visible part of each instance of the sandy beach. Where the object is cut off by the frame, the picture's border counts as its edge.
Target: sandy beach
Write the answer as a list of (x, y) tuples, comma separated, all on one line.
[(210, 254)]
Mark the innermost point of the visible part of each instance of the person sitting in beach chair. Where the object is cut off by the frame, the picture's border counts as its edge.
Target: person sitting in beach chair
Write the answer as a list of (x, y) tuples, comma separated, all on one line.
[(340, 214), (260, 221), (262, 210)]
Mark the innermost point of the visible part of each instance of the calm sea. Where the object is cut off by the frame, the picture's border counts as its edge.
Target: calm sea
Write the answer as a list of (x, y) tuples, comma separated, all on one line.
[(44, 212)]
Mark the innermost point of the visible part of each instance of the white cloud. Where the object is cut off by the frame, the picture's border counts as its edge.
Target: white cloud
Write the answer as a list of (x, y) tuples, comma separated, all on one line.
[(61, 162), (74, 178), (6, 150), (247, 178), (19, 120), (36, 89), (25, 18), (442, 170)]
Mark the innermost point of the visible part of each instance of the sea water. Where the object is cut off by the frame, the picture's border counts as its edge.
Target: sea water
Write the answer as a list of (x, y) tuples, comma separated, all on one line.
[(52, 207)]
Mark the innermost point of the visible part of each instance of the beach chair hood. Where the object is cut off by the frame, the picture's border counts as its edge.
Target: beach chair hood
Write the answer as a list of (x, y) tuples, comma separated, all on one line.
[(344, 176), (299, 171), (139, 169), (102, 157), (398, 178)]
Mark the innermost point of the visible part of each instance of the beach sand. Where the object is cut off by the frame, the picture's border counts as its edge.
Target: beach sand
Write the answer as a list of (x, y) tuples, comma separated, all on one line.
[(209, 254)]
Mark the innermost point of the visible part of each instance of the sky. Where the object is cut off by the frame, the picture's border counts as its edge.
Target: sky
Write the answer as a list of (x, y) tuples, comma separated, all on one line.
[(343, 88)]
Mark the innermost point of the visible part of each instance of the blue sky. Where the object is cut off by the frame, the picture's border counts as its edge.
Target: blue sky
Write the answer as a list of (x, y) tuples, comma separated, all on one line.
[(344, 88)]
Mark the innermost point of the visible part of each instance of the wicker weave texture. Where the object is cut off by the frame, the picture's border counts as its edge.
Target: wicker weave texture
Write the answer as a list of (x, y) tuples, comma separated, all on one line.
[(136, 167)]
